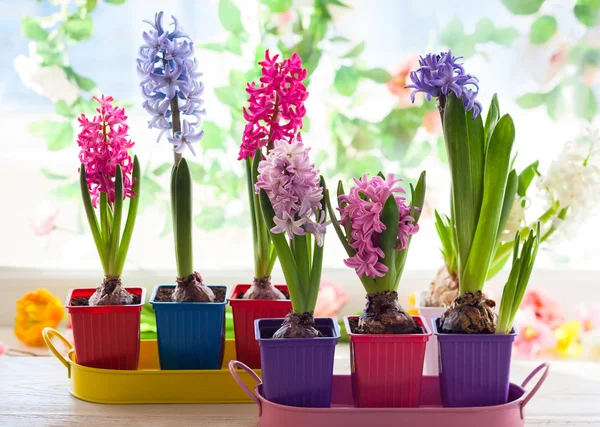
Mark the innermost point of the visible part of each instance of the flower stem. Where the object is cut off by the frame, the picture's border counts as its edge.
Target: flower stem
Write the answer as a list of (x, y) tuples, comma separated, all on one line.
[(176, 126)]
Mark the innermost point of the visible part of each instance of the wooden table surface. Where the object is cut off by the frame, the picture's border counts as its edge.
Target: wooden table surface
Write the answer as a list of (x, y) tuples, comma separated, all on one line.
[(33, 392)]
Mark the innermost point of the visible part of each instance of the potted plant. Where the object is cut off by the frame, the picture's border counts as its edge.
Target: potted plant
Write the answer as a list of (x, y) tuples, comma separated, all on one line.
[(474, 360), (296, 352), (375, 228), (190, 316), (106, 320), (275, 112), (443, 289)]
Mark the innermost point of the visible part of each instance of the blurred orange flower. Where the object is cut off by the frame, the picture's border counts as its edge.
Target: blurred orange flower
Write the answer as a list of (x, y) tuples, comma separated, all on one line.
[(401, 78), (330, 300), (432, 122), (35, 311)]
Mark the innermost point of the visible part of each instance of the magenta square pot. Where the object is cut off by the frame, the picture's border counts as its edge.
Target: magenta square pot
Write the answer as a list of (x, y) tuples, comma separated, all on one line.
[(387, 369), (474, 368), (297, 371)]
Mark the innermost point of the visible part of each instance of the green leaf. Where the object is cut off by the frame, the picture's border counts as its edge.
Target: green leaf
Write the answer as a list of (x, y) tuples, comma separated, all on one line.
[(63, 109), (526, 177), (228, 96), (78, 28), (198, 172), (32, 29), (162, 169), (217, 47), (555, 103), (586, 13), (416, 154), (586, 105), (523, 7), (58, 135), (346, 80), (531, 100), (214, 137), (339, 39), (54, 176), (115, 1), (387, 243), (68, 191), (483, 247), (542, 29), (230, 16), (367, 164), (441, 151), (182, 191), (211, 217), (277, 6), (84, 83), (91, 5), (355, 51), (378, 75), (234, 44)]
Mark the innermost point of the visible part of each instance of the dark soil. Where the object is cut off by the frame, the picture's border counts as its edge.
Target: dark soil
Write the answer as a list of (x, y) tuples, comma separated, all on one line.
[(164, 294), (353, 322), (84, 301)]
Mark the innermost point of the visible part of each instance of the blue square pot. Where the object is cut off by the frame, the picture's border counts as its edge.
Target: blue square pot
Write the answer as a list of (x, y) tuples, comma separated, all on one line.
[(191, 335)]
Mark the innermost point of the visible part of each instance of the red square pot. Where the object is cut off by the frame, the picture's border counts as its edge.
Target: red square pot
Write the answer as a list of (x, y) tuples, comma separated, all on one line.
[(106, 336), (387, 369), (245, 312)]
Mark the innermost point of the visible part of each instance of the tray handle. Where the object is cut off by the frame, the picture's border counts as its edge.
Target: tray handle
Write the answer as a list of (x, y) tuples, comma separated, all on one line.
[(546, 368), (236, 364), (48, 334)]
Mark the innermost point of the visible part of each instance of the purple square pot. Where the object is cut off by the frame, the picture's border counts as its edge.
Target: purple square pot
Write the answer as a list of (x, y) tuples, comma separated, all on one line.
[(297, 371), (474, 368)]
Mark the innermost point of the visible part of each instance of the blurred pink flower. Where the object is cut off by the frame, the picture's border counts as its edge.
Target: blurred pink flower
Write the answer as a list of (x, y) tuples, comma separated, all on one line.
[(432, 122), (589, 316), (43, 223), (401, 78), (546, 309), (534, 336), (3, 349), (330, 300)]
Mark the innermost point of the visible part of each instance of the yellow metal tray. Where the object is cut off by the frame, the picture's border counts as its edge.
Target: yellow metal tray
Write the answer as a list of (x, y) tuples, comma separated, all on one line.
[(149, 384)]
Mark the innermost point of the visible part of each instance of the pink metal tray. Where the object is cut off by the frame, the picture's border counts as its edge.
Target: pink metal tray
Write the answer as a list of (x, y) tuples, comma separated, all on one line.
[(429, 414)]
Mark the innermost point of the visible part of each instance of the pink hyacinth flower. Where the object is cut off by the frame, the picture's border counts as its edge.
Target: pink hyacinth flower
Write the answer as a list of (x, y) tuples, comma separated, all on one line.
[(362, 208), (104, 145), (276, 105)]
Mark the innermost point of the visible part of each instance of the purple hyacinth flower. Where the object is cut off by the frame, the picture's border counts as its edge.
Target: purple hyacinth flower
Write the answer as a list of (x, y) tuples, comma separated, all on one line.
[(441, 74), (169, 81), (185, 138), (159, 110)]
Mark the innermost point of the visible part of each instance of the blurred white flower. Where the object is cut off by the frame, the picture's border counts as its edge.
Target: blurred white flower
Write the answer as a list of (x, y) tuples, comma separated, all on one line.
[(43, 222), (573, 181), (51, 81), (516, 219)]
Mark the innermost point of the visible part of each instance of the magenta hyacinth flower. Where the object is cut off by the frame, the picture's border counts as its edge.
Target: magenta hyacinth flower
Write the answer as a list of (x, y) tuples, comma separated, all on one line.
[(276, 106), (441, 74), (362, 207), (293, 186), (104, 145)]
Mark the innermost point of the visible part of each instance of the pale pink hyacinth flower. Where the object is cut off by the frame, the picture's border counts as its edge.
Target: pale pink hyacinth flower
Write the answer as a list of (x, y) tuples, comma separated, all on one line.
[(3, 348), (534, 338), (44, 221), (293, 186), (330, 300)]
